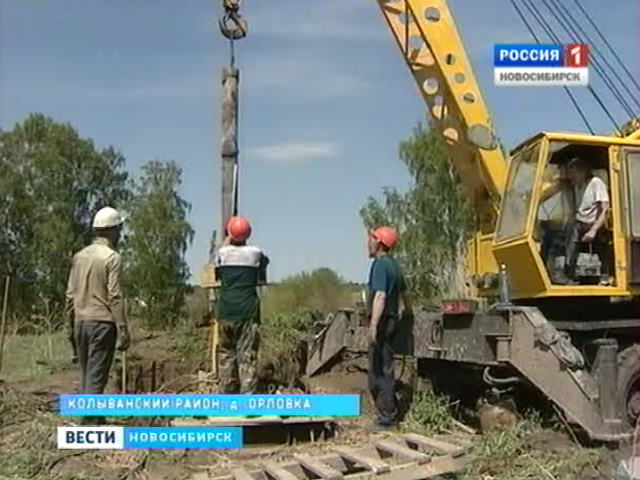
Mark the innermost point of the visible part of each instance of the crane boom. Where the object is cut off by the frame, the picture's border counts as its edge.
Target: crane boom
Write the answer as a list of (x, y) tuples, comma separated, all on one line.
[(427, 37)]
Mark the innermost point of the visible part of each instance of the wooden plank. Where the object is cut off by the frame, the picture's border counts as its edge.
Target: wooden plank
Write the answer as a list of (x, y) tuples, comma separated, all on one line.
[(332, 459), (195, 476), (436, 469), (279, 473), (401, 451), (374, 464), (241, 473), (442, 466), (412, 471), (324, 471), (437, 466), (433, 444)]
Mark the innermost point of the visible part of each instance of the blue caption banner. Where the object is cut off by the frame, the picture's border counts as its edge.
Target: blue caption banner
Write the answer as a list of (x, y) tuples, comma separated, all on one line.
[(528, 55), (210, 405), (150, 438)]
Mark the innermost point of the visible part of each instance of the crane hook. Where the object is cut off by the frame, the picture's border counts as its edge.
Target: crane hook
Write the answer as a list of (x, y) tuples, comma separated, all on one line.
[(232, 25)]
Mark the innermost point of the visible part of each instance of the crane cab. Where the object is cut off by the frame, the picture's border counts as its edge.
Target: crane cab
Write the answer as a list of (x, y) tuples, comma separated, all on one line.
[(540, 237)]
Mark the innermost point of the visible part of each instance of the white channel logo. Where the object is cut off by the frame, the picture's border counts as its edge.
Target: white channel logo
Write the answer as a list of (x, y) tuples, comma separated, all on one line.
[(541, 77)]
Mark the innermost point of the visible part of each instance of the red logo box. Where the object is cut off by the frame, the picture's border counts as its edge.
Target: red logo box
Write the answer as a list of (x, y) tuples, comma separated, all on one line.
[(576, 55)]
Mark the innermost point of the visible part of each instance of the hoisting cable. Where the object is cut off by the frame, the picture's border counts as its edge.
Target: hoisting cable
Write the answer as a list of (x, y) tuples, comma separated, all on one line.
[(569, 19), (594, 59), (606, 42), (537, 39), (545, 25)]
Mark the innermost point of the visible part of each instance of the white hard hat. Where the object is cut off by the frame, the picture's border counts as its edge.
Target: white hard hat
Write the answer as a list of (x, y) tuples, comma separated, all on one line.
[(107, 217)]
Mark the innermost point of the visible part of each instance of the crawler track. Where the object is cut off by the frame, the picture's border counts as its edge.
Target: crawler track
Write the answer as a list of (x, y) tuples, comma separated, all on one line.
[(398, 457)]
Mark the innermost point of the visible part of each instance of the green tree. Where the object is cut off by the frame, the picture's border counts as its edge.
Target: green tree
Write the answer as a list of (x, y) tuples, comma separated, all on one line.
[(52, 181), (157, 238), (433, 217)]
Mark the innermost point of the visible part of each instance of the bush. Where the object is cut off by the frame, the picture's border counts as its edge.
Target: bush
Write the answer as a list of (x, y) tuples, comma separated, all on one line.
[(288, 309)]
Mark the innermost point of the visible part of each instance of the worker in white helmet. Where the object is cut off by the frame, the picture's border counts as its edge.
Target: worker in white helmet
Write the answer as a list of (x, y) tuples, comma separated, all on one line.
[(96, 304)]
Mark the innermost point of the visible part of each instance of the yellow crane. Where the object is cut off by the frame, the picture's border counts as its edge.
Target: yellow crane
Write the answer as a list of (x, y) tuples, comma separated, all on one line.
[(577, 344)]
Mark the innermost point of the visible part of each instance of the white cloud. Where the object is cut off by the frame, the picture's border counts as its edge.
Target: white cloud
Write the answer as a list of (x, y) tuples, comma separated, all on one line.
[(294, 152)]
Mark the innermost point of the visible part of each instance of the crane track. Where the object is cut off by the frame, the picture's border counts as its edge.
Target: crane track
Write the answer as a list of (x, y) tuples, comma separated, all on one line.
[(406, 456)]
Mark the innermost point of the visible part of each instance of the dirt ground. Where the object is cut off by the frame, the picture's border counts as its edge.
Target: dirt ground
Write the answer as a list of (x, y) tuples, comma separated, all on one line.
[(28, 421)]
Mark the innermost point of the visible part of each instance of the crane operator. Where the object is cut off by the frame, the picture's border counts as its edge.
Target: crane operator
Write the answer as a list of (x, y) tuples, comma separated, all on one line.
[(587, 197), (592, 208)]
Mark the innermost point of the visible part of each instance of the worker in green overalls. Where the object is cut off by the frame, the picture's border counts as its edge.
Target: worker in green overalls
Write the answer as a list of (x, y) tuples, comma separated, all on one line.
[(240, 269)]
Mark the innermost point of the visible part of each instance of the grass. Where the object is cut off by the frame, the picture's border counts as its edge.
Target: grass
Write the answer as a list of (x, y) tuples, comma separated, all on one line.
[(28, 450), (508, 454), (32, 357), (428, 414), (280, 335), (524, 452)]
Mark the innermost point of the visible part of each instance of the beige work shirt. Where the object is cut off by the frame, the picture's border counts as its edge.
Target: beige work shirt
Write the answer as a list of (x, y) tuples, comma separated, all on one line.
[(94, 291)]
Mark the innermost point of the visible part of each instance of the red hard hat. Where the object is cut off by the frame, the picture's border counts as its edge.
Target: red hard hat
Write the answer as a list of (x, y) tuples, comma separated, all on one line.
[(238, 228), (387, 236)]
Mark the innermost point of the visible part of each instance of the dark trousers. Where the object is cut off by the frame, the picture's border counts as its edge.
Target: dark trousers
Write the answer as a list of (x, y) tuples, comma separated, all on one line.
[(381, 373), (599, 247), (553, 245), (96, 345)]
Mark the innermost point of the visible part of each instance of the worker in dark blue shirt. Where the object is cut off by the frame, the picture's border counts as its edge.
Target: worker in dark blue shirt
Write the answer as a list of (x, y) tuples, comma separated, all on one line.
[(386, 286)]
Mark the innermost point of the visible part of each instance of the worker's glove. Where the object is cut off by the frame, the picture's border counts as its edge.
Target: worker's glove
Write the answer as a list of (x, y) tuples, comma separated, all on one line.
[(124, 339)]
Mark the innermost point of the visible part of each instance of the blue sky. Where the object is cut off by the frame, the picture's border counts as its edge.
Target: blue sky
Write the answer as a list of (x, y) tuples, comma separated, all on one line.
[(325, 99)]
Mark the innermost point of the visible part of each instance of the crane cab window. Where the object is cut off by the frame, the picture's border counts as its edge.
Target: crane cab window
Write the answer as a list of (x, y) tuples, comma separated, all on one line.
[(518, 195), (573, 222)]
